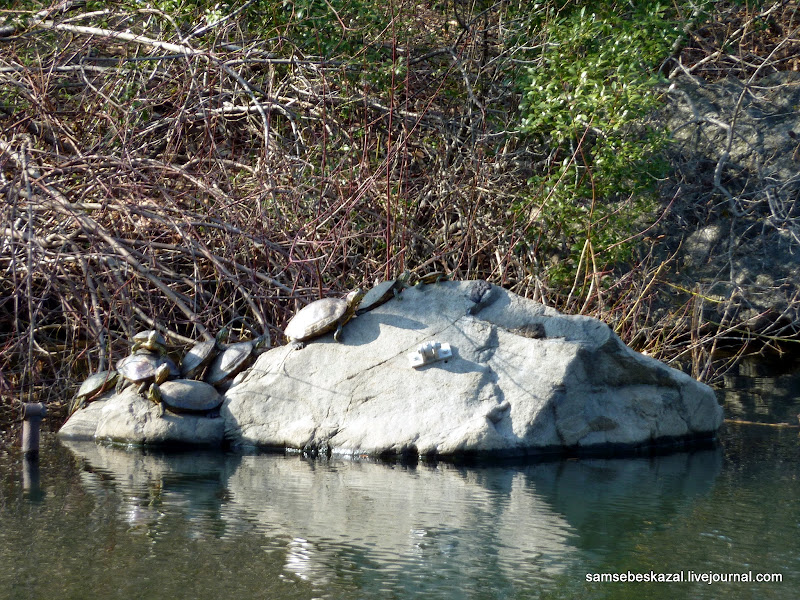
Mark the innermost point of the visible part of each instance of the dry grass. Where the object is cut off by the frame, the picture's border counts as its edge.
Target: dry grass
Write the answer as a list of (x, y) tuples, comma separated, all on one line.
[(150, 182)]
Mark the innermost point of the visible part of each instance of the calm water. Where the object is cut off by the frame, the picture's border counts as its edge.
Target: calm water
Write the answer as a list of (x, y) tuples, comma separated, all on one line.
[(109, 522)]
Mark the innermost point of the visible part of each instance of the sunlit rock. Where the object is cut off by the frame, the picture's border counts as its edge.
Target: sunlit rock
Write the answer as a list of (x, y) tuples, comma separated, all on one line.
[(129, 418), (515, 378), (523, 379)]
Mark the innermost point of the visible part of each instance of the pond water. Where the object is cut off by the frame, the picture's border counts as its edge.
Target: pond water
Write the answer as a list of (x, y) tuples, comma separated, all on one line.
[(110, 522)]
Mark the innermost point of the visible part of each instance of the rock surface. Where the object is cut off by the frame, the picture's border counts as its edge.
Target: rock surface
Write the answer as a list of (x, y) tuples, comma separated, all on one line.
[(523, 379), (128, 418)]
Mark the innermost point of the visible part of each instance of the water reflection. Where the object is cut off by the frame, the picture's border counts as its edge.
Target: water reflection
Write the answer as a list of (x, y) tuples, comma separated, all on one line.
[(151, 484), (763, 391), (417, 527), (31, 481), (407, 519)]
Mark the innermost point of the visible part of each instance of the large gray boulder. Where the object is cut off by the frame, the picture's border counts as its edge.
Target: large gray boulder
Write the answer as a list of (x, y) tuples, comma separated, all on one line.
[(523, 379)]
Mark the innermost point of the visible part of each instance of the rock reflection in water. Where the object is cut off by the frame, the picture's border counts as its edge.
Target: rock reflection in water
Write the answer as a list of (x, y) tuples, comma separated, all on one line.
[(332, 521), (403, 518), (150, 484)]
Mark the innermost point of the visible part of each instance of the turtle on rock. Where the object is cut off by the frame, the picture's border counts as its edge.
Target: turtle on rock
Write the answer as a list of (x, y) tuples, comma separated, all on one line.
[(185, 396), (233, 359), (383, 292), (322, 316), (150, 340), (200, 355), (93, 386), (144, 368), (429, 278)]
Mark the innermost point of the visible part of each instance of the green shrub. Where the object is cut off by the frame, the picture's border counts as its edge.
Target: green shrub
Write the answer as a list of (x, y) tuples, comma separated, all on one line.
[(587, 100)]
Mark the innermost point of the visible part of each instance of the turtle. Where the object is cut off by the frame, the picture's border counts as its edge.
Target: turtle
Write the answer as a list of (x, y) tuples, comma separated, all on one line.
[(383, 292), (434, 277), (94, 385), (185, 396), (201, 354), (150, 340), (198, 356), (322, 316), (234, 359), (143, 368)]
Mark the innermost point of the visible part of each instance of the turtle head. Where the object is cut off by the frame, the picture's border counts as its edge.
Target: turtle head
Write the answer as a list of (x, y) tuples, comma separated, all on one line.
[(221, 335), (154, 393), (354, 298), (262, 343), (162, 373)]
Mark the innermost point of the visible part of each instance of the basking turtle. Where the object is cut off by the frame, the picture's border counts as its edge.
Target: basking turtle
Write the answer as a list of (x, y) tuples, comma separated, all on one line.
[(185, 396), (144, 368), (149, 340), (94, 385), (383, 292), (200, 355), (234, 359), (322, 316), (434, 277)]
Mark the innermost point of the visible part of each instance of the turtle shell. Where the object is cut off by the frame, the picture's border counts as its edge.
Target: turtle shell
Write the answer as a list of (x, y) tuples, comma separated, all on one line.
[(198, 357), (142, 366), (94, 384), (150, 340), (315, 319), (382, 292), (434, 277), (97, 383), (230, 361), (189, 396)]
